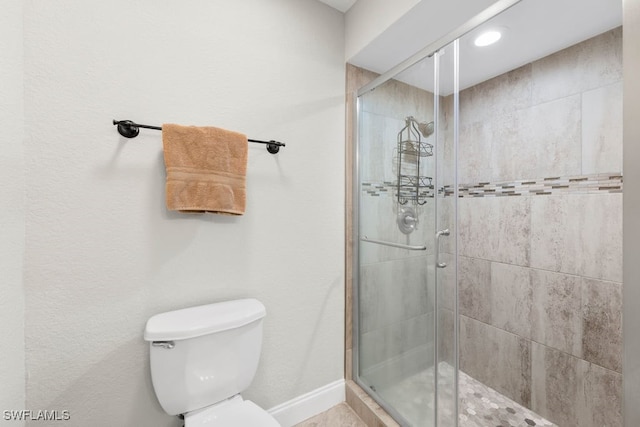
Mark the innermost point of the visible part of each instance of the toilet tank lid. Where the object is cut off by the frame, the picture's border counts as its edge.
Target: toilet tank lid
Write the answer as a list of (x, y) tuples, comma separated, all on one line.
[(202, 320)]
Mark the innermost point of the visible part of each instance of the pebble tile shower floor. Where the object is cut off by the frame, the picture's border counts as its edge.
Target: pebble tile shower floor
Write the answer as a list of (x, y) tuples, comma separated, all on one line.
[(479, 405)]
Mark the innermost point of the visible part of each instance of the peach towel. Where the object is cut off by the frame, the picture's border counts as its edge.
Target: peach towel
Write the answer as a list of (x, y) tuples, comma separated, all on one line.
[(206, 169)]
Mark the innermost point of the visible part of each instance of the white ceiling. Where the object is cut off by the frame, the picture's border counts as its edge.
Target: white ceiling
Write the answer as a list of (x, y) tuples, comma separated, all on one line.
[(341, 5), (535, 28)]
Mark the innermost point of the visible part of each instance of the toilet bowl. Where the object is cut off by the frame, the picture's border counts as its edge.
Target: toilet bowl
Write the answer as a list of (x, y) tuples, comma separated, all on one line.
[(203, 357)]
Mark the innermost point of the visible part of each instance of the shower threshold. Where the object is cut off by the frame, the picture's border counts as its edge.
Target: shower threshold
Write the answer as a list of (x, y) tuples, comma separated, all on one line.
[(479, 405)]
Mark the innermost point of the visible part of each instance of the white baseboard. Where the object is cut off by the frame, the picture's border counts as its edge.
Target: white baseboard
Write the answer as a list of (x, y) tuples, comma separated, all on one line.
[(306, 406)]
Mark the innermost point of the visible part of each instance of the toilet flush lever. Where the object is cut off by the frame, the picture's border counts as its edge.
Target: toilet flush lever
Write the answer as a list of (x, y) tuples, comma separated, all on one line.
[(164, 344)]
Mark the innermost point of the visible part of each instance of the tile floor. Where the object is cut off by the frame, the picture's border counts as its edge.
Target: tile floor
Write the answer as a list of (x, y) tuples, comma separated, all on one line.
[(338, 416), (479, 405)]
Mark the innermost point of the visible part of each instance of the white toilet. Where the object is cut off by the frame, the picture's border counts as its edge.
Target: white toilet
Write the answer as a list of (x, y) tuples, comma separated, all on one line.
[(203, 357)]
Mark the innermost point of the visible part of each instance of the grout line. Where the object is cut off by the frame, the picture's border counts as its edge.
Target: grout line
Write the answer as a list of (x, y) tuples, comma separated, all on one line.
[(542, 269), (541, 344)]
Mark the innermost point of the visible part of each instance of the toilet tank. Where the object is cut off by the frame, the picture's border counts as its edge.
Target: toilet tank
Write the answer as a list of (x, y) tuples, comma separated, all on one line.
[(202, 355)]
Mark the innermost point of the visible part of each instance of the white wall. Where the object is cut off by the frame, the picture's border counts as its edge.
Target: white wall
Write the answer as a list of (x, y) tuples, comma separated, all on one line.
[(102, 252), (367, 19), (12, 212)]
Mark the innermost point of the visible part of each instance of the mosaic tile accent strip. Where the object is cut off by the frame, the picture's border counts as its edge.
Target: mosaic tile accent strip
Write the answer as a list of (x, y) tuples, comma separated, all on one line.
[(389, 189), (479, 405), (579, 184)]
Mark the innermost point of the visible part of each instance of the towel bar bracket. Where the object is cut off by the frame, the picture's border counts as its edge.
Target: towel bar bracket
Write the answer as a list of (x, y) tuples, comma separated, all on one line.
[(273, 148), (127, 128), (130, 129)]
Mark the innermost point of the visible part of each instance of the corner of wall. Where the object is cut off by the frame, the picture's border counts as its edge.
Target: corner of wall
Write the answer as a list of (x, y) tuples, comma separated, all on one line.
[(367, 19), (12, 214)]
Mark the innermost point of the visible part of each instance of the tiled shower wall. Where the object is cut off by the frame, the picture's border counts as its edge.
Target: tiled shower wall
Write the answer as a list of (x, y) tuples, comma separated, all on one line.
[(395, 303), (540, 233)]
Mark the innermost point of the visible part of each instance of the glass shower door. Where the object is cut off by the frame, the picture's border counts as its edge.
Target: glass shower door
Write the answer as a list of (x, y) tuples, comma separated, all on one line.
[(446, 271), (395, 323)]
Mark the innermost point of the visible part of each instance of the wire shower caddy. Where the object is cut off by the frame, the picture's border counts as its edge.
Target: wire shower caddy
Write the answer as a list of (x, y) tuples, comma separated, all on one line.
[(411, 185)]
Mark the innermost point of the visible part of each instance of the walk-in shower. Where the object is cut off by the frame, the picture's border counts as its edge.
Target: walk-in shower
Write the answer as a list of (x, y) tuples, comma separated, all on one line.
[(487, 227)]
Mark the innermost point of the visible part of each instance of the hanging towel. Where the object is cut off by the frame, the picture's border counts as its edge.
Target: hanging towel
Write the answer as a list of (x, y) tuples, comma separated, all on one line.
[(206, 169)]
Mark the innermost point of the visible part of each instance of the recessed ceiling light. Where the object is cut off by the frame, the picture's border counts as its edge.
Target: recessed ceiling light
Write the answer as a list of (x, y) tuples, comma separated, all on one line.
[(487, 38)]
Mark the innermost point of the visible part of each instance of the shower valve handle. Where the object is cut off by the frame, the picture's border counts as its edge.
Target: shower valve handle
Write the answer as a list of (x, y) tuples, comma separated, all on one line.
[(409, 220)]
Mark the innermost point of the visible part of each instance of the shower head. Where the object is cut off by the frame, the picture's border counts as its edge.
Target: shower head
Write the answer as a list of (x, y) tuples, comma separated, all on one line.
[(426, 129)]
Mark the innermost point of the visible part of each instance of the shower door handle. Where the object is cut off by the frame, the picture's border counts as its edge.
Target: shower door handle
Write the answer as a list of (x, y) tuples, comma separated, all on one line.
[(439, 234), (394, 245)]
